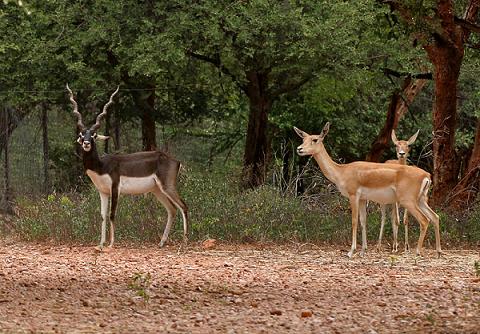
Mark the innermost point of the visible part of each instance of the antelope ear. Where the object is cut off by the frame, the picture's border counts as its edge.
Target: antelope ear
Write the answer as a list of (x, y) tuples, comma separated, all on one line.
[(325, 130), (299, 132), (100, 137), (413, 138), (394, 138)]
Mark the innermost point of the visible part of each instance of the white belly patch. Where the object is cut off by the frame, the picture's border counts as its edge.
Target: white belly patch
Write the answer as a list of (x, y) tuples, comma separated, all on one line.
[(137, 185), (381, 195), (128, 185)]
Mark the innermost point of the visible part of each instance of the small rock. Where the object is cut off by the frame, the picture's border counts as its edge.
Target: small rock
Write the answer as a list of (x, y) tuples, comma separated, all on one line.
[(307, 314), (276, 312), (209, 244)]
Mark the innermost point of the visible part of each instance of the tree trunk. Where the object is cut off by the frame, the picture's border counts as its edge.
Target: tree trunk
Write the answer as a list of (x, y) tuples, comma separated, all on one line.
[(146, 104), (466, 191), (447, 61), (399, 103), (107, 132), (475, 156), (7, 193), (46, 150), (149, 138), (116, 133), (256, 144)]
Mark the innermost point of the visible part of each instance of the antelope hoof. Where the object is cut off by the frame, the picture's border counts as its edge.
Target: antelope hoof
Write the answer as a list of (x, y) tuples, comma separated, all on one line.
[(350, 254), (162, 243), (362, 253), (378, 248), (439, 253), (99, 248)]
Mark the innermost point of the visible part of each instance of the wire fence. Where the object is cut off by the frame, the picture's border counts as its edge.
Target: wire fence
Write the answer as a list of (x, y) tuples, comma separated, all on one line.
[(25, 159)]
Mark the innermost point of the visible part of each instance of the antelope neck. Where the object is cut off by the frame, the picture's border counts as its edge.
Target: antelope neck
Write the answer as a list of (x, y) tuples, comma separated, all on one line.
[(91, 160), (329, 167)]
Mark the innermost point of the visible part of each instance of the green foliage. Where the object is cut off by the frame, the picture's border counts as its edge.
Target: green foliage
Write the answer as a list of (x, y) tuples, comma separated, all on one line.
[(342, 46), (219, 210)]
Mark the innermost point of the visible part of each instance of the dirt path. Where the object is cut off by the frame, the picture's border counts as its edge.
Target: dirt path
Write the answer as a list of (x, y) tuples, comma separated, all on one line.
[(231, 289)]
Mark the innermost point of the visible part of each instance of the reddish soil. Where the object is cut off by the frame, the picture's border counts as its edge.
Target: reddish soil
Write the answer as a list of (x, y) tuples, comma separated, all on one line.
[(234, 289)]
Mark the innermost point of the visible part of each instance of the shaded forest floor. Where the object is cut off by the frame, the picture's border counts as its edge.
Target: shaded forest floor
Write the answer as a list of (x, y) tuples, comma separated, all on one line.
[(234, 289)]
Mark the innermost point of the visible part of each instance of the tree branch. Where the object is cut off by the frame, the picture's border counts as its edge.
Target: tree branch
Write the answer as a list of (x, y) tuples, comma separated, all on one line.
[(397, 74), (467, 25), (216, 61), (291, 86)]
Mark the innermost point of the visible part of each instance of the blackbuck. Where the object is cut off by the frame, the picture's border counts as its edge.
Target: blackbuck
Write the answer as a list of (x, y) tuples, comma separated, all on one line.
[(402, 148), (378, 182), (137, 173)]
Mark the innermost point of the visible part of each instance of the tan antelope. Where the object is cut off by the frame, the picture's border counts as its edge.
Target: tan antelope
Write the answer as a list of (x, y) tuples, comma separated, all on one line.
[(379, 182), (402, 148), (136, 173)]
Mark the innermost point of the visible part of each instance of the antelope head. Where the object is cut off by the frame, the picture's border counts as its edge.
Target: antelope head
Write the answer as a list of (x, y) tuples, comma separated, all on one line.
[(403, 146), (88, 136), (311, 143)]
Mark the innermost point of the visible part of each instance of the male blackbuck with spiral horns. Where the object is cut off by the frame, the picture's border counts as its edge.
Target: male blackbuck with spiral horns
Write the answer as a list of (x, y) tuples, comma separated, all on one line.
[(136, 173), (382, 183)]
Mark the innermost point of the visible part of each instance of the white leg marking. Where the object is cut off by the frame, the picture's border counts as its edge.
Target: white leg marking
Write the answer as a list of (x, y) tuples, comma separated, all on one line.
[(383, 209), (395, 223), (104, 205), (405, 225), (363, 221)]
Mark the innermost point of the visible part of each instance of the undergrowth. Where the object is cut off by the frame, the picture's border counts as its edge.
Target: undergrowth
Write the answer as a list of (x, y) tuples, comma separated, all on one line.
[(219, 209)]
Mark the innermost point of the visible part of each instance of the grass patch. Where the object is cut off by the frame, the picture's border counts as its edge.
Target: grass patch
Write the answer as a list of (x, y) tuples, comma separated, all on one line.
[(219, 209)]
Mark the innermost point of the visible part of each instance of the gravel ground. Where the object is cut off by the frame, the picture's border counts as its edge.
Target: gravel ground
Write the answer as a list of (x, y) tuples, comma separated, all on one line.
[(234, 289)]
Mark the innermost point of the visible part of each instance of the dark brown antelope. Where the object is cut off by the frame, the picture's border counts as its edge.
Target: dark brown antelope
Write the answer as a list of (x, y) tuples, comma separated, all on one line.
[(136, 173), (402, 148)]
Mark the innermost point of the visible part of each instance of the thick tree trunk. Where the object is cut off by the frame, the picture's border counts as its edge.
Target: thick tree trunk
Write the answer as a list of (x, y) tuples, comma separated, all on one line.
[(256, 145), (465, 192), (399, 103), (46, 150), (447, 61), (145, 102)]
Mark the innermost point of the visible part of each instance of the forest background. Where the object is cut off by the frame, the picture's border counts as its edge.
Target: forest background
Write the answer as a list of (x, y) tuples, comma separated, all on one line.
[(220, 85)]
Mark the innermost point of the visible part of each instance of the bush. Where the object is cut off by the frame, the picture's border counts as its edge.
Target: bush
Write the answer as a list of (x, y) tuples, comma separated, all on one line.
[(219, 209)]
